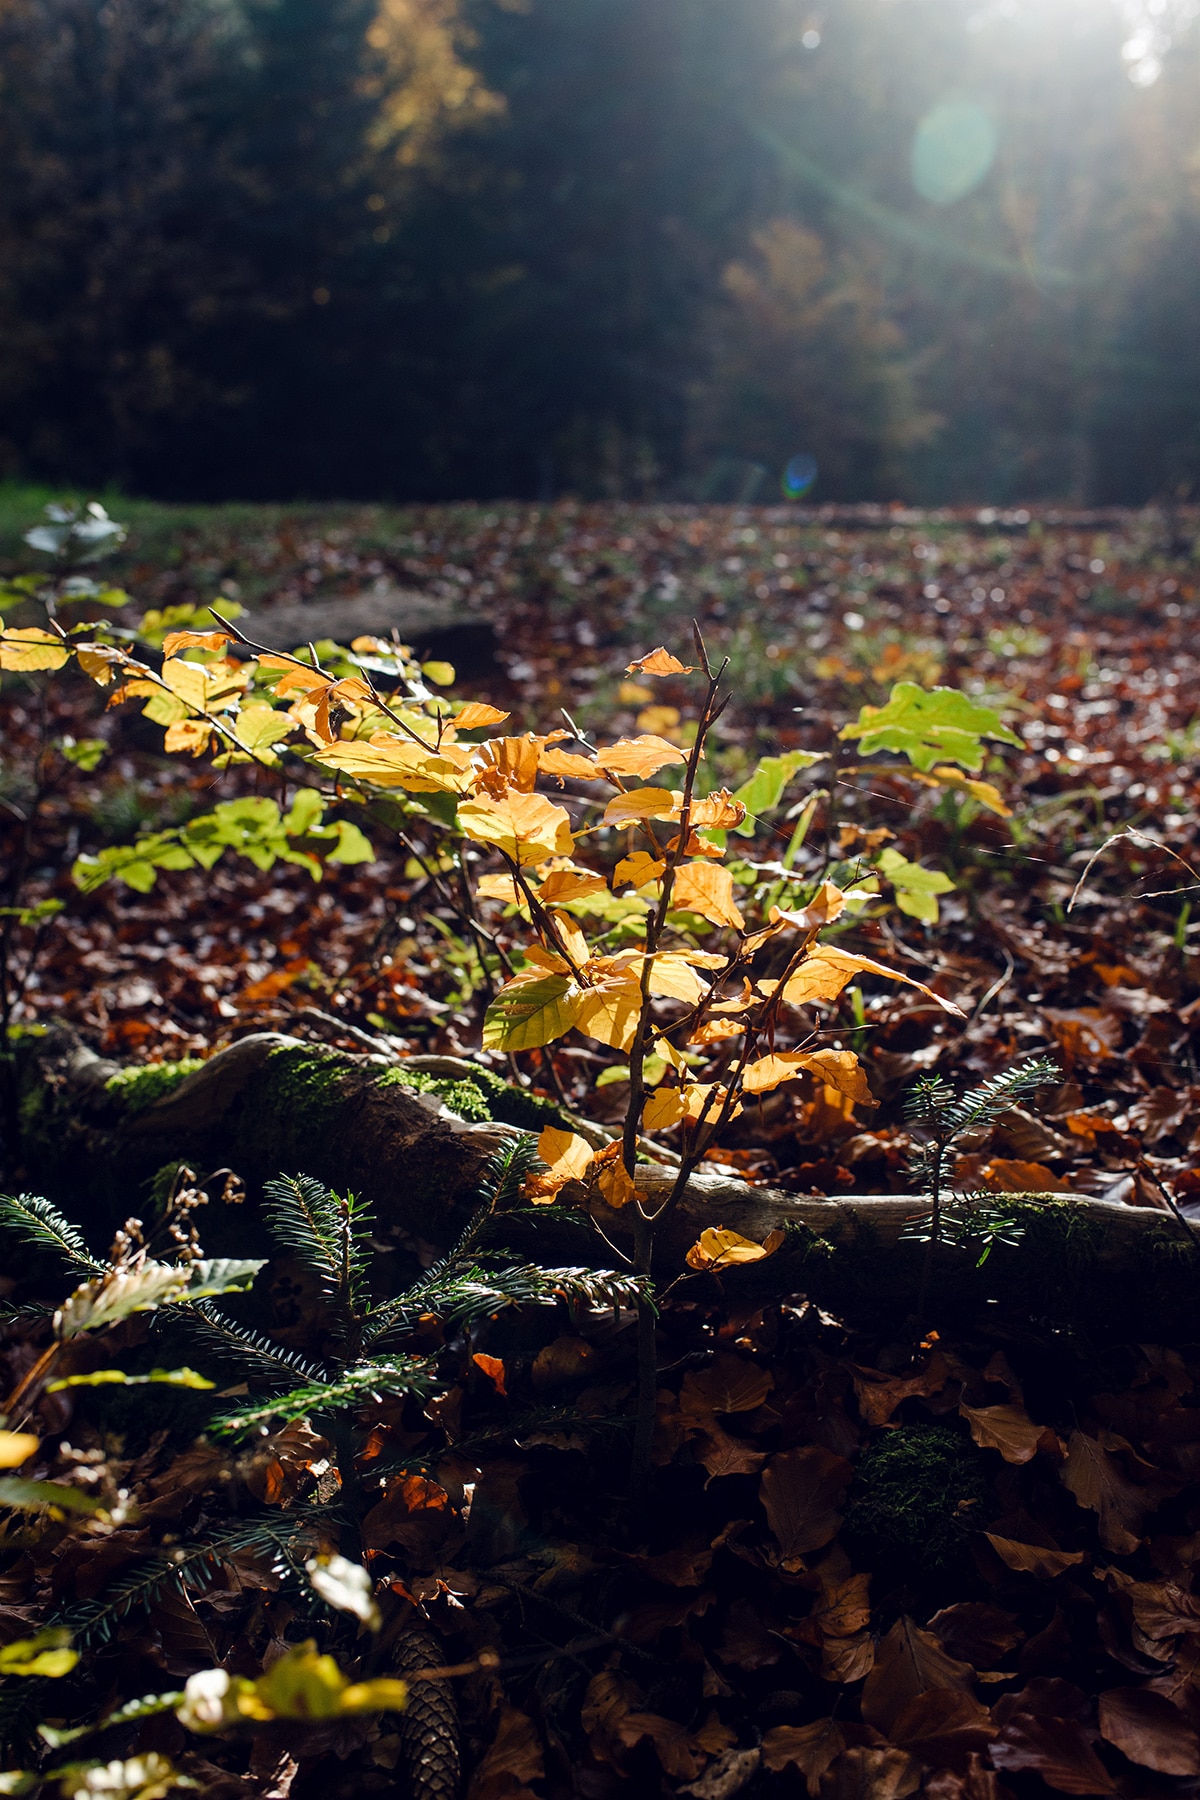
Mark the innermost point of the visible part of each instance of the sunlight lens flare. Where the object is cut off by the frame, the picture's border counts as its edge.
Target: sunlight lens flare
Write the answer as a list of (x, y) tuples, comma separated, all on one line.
[(953, 149), (798, 477)]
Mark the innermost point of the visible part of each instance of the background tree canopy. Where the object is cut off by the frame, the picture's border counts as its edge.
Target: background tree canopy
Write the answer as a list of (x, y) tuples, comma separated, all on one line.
[(943, 249)]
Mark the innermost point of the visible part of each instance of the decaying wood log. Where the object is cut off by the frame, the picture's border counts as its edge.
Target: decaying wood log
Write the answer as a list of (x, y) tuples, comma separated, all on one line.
[(94, 1136)]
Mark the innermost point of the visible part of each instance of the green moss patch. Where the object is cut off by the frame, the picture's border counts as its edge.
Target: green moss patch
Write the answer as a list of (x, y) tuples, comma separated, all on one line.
[(919, 1493), (140, 1087), (479, 1096)]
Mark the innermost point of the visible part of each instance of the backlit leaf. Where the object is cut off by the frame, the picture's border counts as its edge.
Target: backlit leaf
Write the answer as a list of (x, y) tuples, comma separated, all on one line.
[(25, 648), (527, 827), (659, 662), (927, 726), (639, 756), (707, 889), (532, 1009)]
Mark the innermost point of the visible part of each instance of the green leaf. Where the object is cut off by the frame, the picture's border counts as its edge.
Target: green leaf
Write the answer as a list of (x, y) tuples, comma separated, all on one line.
[(942, 726), (352, 846), (48, 1654), (84, 754), (180, 1378), (34, 1496), (527, 1014), (916, 888), (222, 1275), (762, 793), (440, 673)]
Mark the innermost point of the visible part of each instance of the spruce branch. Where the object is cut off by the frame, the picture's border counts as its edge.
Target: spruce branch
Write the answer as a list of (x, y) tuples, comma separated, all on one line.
[(36, 1222)]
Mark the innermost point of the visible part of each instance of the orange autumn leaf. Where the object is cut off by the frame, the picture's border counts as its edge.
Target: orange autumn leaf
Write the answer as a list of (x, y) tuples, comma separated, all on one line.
[(717, 1248), (718, 811), (659, 662), (708, 890), (639, 869), (525, 826), (827, 969), (476, 714), (201, 640), (639, 756), (570, 884), (836, 1069), (493, 1368), (642, 803)]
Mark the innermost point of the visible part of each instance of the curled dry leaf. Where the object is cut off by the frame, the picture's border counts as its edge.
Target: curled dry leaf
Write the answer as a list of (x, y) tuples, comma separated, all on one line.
[(879, 1394), (801, 1491), (827, 970), (1043, 1560), (976, 1633), (729, 1385), (837, 1069), (718, 1248), (944, 1726), (658, 662)]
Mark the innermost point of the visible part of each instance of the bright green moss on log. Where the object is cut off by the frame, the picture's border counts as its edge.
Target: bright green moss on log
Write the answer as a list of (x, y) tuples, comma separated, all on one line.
[(145, 1083)]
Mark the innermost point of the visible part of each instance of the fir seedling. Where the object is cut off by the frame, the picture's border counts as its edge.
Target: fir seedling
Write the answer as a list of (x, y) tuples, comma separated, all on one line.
[(943, 1118)]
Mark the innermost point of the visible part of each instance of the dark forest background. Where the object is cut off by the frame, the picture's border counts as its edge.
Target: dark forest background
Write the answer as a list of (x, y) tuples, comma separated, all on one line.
[(949, 249)]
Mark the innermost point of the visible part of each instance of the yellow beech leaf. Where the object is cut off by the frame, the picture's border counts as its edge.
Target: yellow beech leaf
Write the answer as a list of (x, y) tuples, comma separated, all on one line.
[(704, 888), (616, 1184), (675, 979), (664, 1108), (189, 681), (295, 677), (532, 1009), (567, 1158), (575, 945), (659, 662), (826, 970), (565, 763), (259, 726), (608, 1010), (99, 662), (665, 1048), (526, 827), (188, 737), (338, 693), (826, 905), (642, 803), (562, 885), (392, 761), (837, 1069), (476, 714), (639, 756), (500, 887), (718, 1248), (16, 1447), (945, 775), (508, 762), (24, 648), (565, 1153), (719, 811), (639, 868), (714, 1031), (202, 640)]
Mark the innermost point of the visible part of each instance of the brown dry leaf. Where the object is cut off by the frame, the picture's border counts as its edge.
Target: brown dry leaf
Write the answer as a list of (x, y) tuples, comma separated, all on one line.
[(1007, 1176), (659, 662), (283, 1466), (944, 1726), (1147, 1729), (1098, 1481), (1055, 1749), (976, 1633), (513, 1761), (1161, 1609), (614, 1728), (1044, 1560), (841, 1624), (976, 1782), (908, 1662), (871, 1774), (728, 1385), (809, 1748), (746, 1642), (719, 1454), (414, 1513), (879, 1394), (1008, 1429), (801, 1491), (566, 1359), (706, 889), (638, 757)]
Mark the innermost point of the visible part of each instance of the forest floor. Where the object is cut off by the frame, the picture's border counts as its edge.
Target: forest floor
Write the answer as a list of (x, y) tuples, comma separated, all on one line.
[(962, 1564)]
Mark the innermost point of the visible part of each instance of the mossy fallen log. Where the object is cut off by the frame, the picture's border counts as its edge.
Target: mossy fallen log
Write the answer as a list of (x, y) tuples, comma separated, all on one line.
[(413, 1138)]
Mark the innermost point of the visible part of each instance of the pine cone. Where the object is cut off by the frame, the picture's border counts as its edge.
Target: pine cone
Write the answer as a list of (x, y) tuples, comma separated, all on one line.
[(430, 1755)]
